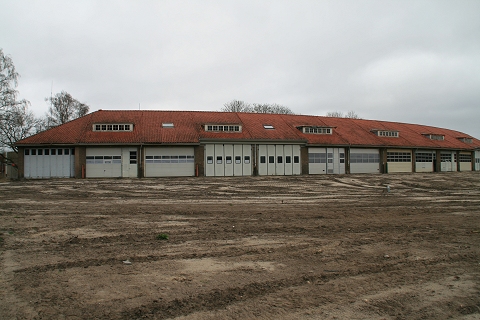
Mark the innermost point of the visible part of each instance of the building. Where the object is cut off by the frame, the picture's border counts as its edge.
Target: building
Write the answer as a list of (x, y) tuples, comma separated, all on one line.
[(192, 143)]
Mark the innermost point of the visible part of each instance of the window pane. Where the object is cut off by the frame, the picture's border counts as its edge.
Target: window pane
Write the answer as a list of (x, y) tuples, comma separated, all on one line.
[(67, 152), (296, 159), (262, 159), (247, 159), (40, 152), (209, 159), (271, 159), (60, 152), (279, 159), (288, 159)]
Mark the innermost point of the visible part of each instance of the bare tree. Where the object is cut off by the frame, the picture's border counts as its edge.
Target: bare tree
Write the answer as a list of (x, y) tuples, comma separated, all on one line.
[(237, 106), (16, 122), (338, 114), (64, 108), (352, 115), (241, 106), (335, 114)]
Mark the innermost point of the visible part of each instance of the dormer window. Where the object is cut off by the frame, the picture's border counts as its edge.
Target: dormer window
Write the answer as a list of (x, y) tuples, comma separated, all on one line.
[(268, 127), (386, 133), (430, 136), (113, 127), (223, 127), (466, 140), (317, 130), (167, 125)]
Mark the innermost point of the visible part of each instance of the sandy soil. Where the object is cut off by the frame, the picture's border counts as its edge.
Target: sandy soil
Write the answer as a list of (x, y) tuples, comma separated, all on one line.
[(313, 247)]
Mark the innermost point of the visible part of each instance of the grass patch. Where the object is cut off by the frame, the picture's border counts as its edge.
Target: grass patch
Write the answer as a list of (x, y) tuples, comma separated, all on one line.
[(162, 236)]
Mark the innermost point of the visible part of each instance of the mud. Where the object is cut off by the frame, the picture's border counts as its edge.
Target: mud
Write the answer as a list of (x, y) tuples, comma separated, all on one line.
[(313, 247)]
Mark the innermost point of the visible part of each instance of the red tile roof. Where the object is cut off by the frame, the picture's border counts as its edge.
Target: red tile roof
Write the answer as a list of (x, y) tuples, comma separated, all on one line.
[(189, 129)]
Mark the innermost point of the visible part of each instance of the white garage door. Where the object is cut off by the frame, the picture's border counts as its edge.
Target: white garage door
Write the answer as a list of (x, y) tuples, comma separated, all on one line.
[(364, 160), (326, 160), (278, 159), (169, 162), (228, 160), (477, 160), (448, 161), (49, 163), (104, 163), (424, 161)]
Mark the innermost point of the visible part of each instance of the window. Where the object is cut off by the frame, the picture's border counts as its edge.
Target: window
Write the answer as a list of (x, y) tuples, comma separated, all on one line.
[(228, 159), (40, 152), (364, 158), (445, 157), (279, 159), (465, 158), (288, 159), (219, 159), (167, 125), (386, 133), (263, 159), (247, 159), (112, 127), (209, 160), (466, 140), (60, 152), (34, 152), (317, 158), (133, 157), (46, 152), (317, 130), (296, 159), (223, 128), (399, 157), (53, 152), (67, 152), (423, 157), (238, 159), (271, 159), (27, 152), (434, 136), (268, 126)]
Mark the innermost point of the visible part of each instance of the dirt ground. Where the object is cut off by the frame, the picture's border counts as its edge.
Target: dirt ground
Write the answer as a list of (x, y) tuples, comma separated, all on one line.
[(306, 247)]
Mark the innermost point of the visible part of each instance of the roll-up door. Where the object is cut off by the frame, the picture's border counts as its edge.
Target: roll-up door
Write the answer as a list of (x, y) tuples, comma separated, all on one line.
[(399, 160), (169, 162), (424, 161), (104, 163), (465, 161), (326, 160), (364, 160)]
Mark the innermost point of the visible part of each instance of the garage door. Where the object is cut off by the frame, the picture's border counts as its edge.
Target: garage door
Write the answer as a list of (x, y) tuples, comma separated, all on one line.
[(364, 160), (465, 161), (425, 161), (169, 162), (326, 160), (448, 161), (399, 160), (278, 159), (228, 160), (49, 163), (104, 163), (477, 160)]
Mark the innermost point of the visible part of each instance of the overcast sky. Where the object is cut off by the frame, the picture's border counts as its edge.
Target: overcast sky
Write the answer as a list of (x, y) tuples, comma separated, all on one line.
[(405, 61)]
